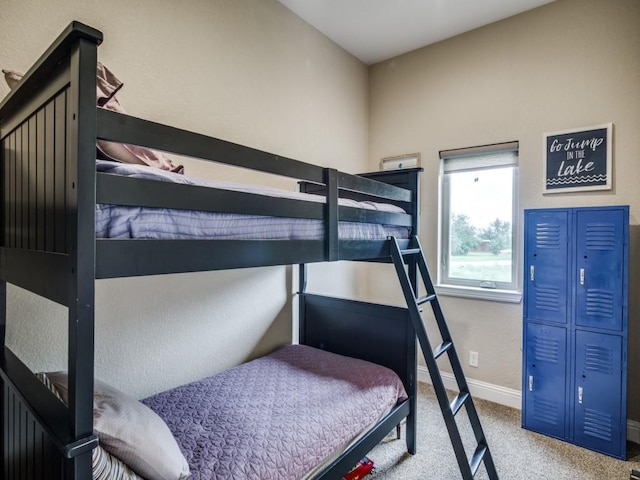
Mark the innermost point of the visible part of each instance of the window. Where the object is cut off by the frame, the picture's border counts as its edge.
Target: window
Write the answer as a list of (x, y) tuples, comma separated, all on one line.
[(478, 245)]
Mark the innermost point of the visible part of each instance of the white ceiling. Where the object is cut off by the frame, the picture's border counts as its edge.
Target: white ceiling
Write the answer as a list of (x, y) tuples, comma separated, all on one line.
[(375, 30)]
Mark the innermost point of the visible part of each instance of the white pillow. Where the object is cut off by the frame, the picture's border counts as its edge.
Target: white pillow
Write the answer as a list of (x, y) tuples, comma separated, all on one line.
[(103, 464), (131, 432)]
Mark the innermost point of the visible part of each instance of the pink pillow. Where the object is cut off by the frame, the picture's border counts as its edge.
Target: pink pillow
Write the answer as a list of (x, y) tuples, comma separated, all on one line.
[(107, 87)]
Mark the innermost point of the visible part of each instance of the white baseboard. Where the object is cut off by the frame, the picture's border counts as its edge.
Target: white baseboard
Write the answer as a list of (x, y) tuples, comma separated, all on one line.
[(633, 431), (504, 396), (487, 391)]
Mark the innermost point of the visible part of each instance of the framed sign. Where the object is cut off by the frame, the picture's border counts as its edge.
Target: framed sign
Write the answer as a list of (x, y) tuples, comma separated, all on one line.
[(578, 160), (409, 160)]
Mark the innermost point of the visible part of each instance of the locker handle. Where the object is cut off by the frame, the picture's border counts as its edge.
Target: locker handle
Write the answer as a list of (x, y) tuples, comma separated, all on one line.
[(531, 383), (580, 394), (532, 272), (582, 276)]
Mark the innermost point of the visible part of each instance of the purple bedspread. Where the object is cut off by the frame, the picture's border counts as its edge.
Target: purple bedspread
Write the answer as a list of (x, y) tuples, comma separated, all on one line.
[(276, 417)]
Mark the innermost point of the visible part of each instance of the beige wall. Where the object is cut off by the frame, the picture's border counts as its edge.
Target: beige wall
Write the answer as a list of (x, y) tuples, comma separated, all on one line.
[(251, 72), (571, 63), (248, 71)]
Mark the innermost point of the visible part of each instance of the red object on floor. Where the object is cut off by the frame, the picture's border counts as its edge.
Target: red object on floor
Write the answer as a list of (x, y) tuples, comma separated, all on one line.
[(362, 469)]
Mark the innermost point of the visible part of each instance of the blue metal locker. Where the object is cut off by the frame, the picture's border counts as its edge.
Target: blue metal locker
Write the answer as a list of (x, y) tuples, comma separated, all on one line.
[(600, 250), (597, 393), (545, 406), (547, 265), (575, 311)]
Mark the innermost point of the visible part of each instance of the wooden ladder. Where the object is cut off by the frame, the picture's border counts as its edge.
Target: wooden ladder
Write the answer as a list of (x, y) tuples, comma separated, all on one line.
[(406, 261)]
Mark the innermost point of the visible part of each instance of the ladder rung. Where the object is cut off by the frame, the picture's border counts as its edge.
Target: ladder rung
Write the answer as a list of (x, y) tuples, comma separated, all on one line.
[(477, 458), (443, 347), (458, 402), (425, 299), (410, 251)]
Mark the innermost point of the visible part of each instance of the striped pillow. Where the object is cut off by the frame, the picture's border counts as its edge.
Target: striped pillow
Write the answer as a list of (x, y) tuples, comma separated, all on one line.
[(104, 465), (107, 467)]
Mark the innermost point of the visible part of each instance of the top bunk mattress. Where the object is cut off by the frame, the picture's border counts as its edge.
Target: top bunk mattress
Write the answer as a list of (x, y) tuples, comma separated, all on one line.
[(277, 417), (116, 221)]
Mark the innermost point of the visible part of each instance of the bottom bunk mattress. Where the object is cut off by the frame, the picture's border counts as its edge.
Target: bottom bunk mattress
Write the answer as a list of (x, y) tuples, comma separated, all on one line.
[(116, 221), (281, 416)]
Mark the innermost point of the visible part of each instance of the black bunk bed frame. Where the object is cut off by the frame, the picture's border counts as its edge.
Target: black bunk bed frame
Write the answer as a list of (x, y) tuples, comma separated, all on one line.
[(48, 130)]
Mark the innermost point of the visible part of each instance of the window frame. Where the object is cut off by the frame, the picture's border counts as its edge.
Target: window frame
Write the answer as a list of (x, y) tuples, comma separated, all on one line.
[(477, 159)]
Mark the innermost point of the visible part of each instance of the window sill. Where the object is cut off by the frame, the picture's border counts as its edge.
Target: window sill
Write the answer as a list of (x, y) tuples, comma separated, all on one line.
[(506, 296)]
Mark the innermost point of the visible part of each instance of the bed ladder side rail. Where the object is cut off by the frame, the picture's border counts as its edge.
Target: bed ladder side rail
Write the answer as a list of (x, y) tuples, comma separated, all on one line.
[(415, 262)]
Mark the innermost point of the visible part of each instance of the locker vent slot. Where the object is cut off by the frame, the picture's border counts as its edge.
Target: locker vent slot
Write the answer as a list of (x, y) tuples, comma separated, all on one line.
[(547, 235), (598, 359), (600, 236), (546, 350), (547, 297), (598, 424), (599, 303), (545, 410)]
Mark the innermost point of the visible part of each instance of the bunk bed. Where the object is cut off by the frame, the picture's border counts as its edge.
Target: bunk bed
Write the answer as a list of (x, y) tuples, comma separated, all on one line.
[(53, 192)]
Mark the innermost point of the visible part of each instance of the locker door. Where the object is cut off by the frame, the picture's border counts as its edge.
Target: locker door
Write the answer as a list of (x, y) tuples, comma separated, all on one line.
[(546, 380), (547, 265), (599, 268), (598, 392)]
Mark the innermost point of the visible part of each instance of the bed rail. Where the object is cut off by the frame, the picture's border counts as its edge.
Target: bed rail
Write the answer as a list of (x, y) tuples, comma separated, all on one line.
[(119, 190), (20, 385), (119, 127)]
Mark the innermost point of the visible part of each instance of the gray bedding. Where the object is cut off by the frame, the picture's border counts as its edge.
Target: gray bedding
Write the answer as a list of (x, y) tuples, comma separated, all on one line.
[(276, 417), (113, 221)]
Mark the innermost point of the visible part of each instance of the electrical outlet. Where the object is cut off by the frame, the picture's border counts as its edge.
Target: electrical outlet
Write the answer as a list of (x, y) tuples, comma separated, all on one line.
[(473, 359)]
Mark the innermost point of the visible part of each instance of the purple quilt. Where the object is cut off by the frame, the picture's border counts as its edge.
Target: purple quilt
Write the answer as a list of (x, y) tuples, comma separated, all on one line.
[(276, 417)]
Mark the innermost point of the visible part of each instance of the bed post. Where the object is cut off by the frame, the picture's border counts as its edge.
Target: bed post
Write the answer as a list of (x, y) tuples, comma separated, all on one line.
[(81, 188), (3, 312), (302, 289), (48, 135), (409, 179), (331, 215), (3, 326)]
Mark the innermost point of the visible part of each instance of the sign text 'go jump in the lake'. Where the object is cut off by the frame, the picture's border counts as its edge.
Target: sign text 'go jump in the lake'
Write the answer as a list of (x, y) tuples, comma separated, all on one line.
[(578, 160)]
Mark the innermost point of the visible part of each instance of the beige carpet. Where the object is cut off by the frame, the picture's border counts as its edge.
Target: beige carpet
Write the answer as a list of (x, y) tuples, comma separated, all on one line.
[(518, 454)]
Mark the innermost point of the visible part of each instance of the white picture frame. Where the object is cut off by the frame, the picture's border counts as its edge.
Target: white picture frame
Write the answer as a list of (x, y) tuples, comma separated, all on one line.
[(398, 162)]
